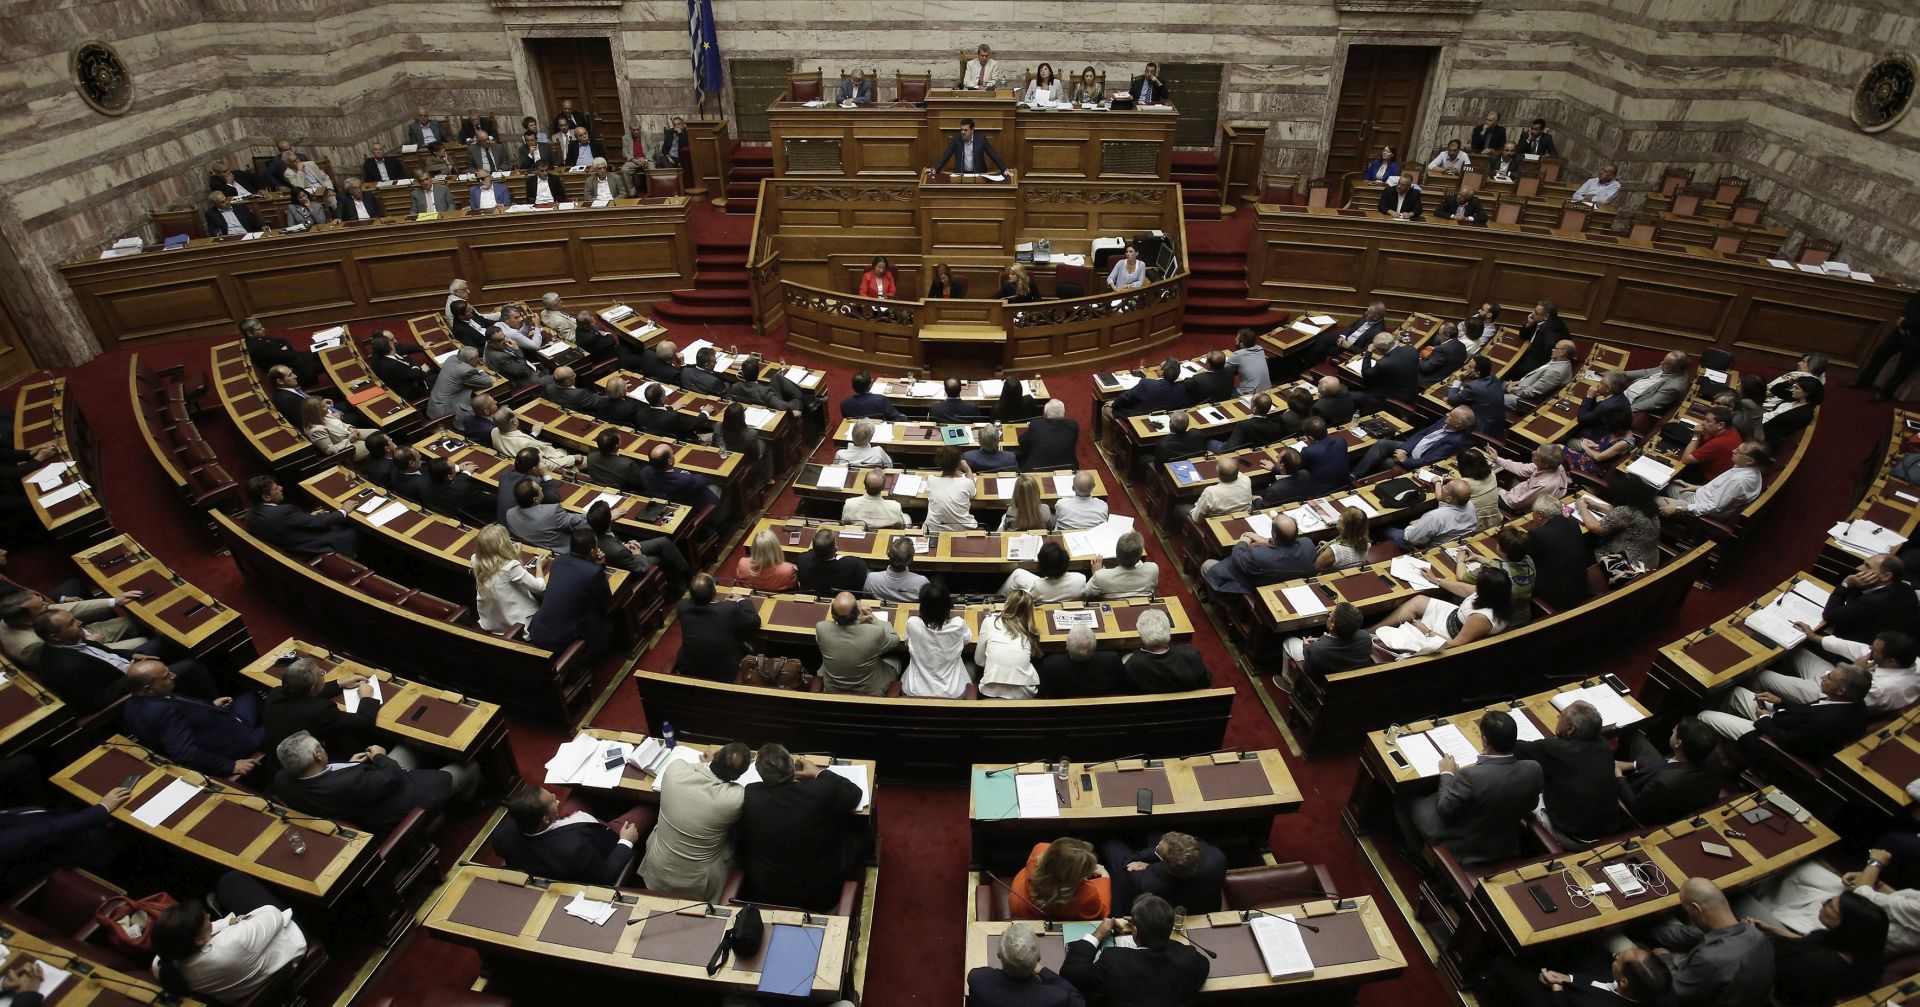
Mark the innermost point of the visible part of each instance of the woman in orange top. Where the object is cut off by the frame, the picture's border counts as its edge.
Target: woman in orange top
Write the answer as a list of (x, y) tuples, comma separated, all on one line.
[(878, 281), (765, 566), (1062, 881)]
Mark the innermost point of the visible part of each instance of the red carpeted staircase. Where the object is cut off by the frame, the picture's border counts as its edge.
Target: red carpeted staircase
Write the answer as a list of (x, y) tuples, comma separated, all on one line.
[(751, 163), (1217, 301), (719, 295), (1197, 172)]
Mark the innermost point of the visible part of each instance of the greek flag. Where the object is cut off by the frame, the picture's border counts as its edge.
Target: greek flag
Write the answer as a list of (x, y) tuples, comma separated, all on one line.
[(706, 49)]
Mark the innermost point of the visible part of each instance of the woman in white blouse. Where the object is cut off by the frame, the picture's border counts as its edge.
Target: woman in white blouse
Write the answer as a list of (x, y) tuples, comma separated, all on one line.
[(1128, 272), (232, 957), (1045, 88), (506, 593), (1005, 650), (936, 640), (950, 494), (1052, 582), (330, 433)]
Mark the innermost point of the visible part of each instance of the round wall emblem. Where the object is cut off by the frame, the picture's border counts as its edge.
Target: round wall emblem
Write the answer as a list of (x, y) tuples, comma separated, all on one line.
[(1884, 92), (102, 78)]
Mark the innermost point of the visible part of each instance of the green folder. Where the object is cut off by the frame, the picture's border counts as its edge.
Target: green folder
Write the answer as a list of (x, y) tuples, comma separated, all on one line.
[(994, 797), (955, 435), (1070, 932)]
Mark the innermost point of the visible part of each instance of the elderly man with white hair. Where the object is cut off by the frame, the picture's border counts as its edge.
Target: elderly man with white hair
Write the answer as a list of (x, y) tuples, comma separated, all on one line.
[(461, 290), (1082, 509), (873, 509), (509, 439), (1159, 665), (1083, 669), (454, 386), (553, 315), (1545, 379), (1050, 442), (1020, 981), (601, 185), (863, 453), (1654, 389), (1543, 477), (1128, 574)]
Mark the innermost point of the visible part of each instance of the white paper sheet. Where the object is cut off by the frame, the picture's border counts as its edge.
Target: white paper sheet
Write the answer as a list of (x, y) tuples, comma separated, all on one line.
[(612, 500), (48, 476), (757, 417), (1037, 797), (1412, 570), (1321, 319), (168, 800), (1063, 486), (1354, 500), (569, 759), (1524, 726), (909, 485), (882, 433), (381, 517), (63, 494), (1450, 740), (1421, 755), (675, 755), (1002, 488), (371, 504), (692, 350), (1281, 946), (351, 697), (1617, 711), (1808, 590), (1651, 471), (858, 774), (616, 313), (1261, 525), (1303, 600), (833, 477), (596, 913), (1024, 548)]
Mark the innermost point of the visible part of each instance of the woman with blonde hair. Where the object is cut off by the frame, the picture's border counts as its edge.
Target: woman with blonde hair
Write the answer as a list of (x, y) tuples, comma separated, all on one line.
[(328, 432), (1005, 650), (506, 594), (765, 566), (1349, 545), (1028, 513), (1063, 880)]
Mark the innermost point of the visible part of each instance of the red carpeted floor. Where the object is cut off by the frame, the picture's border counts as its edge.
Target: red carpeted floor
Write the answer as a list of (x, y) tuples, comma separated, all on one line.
[(917, 948)]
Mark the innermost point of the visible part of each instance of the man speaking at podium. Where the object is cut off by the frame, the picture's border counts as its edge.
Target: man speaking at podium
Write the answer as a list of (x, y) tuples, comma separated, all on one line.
[(970, 152)]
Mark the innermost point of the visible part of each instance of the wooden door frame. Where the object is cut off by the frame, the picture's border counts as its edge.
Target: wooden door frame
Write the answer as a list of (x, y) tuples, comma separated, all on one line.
[(1431, 99), (527, 77)]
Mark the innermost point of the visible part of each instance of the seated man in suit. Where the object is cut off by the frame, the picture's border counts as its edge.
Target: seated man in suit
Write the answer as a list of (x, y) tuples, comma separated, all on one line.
[(509, 438), (455, 391), (1173, 865), (1656, 389), (527, 466), (1467, 208), (280, 524), (404, 378), (1542, 331), (1050, 442), (1477, 811), (673, 149), (301, 173), (89, 676), (562, 388), (1402, 201), (1351, 339), (577, 149), (1156, 970), (270, 351), (374, 789), (982, 72), (453, 491), (1083, 669), (770, 388), (824, 571), (953, 408), (378, 466), (357, 204), (1486, 395), (544, 188), (218, 737), (487, 194), (484, 155), (607, 466), (306, 701), (1160, 665), (1446, 356), (1182, 441), (539, 523), (580, 848), (283, 387), (1876, 597), (1391, 370), (1149, 89), (1560, 554), (1453, 519), (855, 90), (36, 838), (1257, 561), (238, 183), (429, 194), (226, 217), (1576, 767), (381, 167), (1345, 646), (864, 403), (1545, 379), (1635, 976), (989, 457), (662, 480), (655, 417), (1335, 403), (796, 834), (422, 130), (691, 850), (1160, 393), (600, 185), (577, 598), (713, 633), (1601, 415), (1811, 731), (1536, 141), (1439, 440), (23, 607), (1020, 981), (1656, 788), (1212, 384), (702, 377), (969, 151)]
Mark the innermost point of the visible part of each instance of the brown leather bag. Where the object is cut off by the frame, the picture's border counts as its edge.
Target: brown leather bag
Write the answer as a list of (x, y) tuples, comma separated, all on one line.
[(772, 672)]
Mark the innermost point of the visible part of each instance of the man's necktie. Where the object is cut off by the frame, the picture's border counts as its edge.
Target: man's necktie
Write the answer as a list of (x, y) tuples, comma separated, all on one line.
[(1146, 91), (983, 74)]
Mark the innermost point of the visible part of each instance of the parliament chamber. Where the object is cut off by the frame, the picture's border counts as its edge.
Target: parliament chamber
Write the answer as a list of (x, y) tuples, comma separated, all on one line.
[(1343, 505)]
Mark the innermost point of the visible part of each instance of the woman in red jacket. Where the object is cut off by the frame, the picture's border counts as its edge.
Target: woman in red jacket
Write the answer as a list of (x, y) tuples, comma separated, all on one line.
[(878, 281)]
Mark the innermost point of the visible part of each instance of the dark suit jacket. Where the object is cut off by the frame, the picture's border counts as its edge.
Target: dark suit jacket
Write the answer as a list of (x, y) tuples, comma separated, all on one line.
[(503, 498), (793, 840), (572, 148), (343, 205), (1151, 395), (673, 145), (1540, 338), (378, 471), (614, 470), (704, 381), (576, 600), (407, 380), (1812, 731), (1449, 444), (1487, 397), (1444, 360), (24, 832), (1329, 654), (982, 153), (1335, 409), (1392, 201), (1481, 805), (1561, 557), (1577, 774), (1174, 447), (1198, 894), (825, 577), (287, 527), (1353, 337), (413, 485), (1062, 677), (871, 405), (459, 495), (1050, 444), (555, 184), (1162, 95), (676, 486), (954, 411), (1667, 791), (1613, 412), (217, 224), (1485, 138), (467, 127), (1452, 204), (1853, 614), (288, 401), (1395, 375), (713, 637), (84, 682), (247, 178), (192, 732), (370, 171), (988, 986), (658, 368), (586, 853), (285, 714), (1208, 386), (1542, 145), (375, 794), (1136, 977)]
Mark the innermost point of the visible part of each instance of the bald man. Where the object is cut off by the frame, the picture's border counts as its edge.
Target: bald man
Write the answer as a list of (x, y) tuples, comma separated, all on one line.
[(1229, 492), (1715, 957), (1545, 379), (1455, 518), (220, 737), (561, 387), (1656, 389), (1257, 561), (661, 480), (1082, 509), (856, 648), (1438, 441), (86, 674)]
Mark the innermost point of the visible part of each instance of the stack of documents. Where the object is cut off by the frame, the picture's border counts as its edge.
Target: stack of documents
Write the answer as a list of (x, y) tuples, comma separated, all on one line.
[(596, 913), (327, 339), (1650, 470), (1281, 947), (1865, 538), (1102, 541), (1411, 571), (1617, 711), (584, 762), (1775, 621)]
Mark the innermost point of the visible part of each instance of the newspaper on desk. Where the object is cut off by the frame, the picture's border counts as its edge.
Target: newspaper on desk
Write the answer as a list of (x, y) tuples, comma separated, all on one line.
[(1024, 548), (1865, 538), (1069, 619)]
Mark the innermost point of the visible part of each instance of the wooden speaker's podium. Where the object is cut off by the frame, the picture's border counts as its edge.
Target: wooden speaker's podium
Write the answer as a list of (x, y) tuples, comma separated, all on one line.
[(991, 112)]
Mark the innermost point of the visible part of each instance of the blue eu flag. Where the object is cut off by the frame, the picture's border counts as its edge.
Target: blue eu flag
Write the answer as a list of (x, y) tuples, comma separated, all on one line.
[(706, 49)]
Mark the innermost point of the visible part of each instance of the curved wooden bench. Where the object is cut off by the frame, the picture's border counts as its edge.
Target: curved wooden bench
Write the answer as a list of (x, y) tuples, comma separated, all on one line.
[(163, 407), (937, 740)]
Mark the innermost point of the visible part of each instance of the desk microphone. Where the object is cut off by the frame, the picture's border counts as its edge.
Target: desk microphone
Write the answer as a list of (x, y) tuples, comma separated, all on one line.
[(1089, 767), (1017, 765), (1275, 886), (1247, 915), (1045, 916), (669, 912)]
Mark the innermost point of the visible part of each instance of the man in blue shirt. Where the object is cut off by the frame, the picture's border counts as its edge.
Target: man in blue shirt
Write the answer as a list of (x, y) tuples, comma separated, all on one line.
[(1255, 561)]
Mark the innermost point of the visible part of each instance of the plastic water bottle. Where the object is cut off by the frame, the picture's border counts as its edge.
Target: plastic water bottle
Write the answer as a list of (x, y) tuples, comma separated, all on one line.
[(293, 839), (666, 733)]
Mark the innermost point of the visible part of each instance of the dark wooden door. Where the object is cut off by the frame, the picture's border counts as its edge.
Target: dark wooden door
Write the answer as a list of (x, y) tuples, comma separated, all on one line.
[(581, 69), (1380, 99)]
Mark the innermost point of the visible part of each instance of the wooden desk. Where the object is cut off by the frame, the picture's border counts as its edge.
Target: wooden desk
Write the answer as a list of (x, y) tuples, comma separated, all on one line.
[(494, 911), (192, 619), (936, 740), (644, 332), (29, 712), (1143, 431), (1764, 849), (230, 828), (916, 397), (386, 268), (793, 618), (772, 423), (1902, 993), (1357, 938), (360, 390), (1223, 531), (637, 784), (1888, 502), (1257, 464), (922, 438), (1559, 415), (991, 491), (1607, 288), (274, 438), (577, 432), (955, 552), (417, 715), (1704, 662), (1874, 771), (673, 520), (897, 139), (92, 983), (46, 416)]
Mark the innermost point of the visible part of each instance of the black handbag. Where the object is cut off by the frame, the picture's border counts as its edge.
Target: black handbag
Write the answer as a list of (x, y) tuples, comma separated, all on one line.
[(744, 938)]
